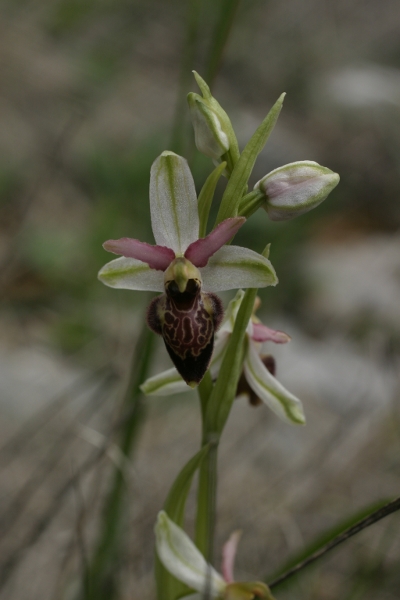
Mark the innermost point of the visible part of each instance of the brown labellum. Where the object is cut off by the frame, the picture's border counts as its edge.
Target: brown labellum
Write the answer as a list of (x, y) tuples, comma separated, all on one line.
[(187, 322)]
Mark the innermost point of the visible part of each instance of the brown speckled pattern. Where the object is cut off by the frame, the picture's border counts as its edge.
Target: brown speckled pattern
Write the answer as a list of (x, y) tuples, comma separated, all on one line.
[(187, 327)]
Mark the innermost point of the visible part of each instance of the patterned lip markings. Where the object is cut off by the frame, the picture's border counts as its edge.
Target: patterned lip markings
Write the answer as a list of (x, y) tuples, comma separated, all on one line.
[(187, 322)]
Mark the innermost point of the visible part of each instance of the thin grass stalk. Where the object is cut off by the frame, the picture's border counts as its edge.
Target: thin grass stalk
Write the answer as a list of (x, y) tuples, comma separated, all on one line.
[(101, 572), (220, 38), (185, 78)]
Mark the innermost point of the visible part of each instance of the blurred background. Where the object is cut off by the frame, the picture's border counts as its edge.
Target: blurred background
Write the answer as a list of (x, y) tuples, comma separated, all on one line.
[(91, 92)]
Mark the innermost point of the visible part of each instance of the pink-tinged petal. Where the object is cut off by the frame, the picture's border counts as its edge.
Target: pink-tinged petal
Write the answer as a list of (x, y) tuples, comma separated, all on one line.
[(228, 556), (201, 250), (261, 333), (157, 257)]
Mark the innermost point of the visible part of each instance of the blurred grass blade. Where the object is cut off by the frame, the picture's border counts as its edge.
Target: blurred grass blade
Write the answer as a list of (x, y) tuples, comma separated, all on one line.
[(168, 587), (206, 197), (102, 567), (335, 536), (188, 54), (222, 30), (243, 168)]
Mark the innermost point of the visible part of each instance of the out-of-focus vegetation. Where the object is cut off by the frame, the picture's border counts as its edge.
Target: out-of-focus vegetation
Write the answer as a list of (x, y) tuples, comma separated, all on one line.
[(91, 93)]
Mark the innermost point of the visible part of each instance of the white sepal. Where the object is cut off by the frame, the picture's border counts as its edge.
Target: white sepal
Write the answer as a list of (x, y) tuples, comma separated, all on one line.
[(173, 203), (269, 390), (209, 136), (296, 188), (235, 267), (131, 274), (165, 384), (183, 560)]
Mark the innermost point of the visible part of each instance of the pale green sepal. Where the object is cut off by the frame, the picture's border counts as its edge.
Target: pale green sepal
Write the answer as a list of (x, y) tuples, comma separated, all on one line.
[(296, 188), (182, 559), (244, 166), (192, 597), (131, 274), (206, 197), (210, 139), (165, 384), (231, 313), (168, 587), (173, 203), (269, 390), (204, 88), (236, 267), (232, 153)]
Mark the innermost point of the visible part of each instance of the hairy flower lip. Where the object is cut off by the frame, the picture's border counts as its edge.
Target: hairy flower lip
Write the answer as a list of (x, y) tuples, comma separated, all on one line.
[(261, 381)]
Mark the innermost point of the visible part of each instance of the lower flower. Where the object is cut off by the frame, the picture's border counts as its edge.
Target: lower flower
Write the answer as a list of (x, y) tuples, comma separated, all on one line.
[(184, 561), (258, 381)]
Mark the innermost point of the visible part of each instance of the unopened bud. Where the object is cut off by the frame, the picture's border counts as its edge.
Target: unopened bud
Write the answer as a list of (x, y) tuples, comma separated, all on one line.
[(212, 127), (296, 188)]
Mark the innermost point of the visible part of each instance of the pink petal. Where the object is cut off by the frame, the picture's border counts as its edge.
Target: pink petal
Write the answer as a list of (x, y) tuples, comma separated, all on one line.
[(157, 257), (228, 556), (261, 333), (200, 251)]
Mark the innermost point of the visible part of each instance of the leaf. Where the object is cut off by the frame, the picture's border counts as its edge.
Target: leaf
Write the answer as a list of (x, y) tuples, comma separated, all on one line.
[(224, 391), (321, 541), (243, 168), (206, 197), (168, 587)]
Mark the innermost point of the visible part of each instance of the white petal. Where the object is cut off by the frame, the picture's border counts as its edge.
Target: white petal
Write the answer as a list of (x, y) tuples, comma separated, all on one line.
[(235, 267), (173, 203), (269, 390), (193, 597), (182, 559), (165, 384), (131, 274)]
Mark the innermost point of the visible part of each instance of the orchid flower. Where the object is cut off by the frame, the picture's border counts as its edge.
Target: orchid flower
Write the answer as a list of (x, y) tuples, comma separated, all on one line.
[(257, 381), (187, 269), (184, 561)]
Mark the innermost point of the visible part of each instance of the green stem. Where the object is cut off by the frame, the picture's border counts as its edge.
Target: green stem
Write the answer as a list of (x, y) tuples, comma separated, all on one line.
[(224, 391), (101, 569), (218, 404), (206, 503), (250, 203), (205, 388)]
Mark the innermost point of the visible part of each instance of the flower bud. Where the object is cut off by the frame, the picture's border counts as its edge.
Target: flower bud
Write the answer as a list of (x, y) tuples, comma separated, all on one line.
[(296, 188), (212, 128)]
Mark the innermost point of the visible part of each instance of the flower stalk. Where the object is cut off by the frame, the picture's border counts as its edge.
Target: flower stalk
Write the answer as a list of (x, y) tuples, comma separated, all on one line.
[(188, 267)]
